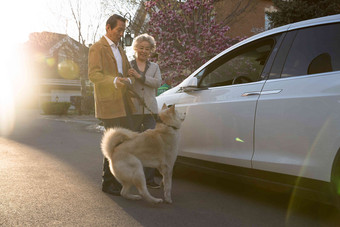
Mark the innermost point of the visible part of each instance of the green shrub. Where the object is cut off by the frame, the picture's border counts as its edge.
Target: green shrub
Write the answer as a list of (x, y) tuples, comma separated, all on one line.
[(55, 108)]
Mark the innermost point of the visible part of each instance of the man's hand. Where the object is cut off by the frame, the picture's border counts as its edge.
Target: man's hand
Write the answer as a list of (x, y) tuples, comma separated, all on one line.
[(121, 82)]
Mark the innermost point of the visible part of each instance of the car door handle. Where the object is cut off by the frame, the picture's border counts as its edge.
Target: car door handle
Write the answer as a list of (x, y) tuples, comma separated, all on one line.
[(251, 93), (271, 92)]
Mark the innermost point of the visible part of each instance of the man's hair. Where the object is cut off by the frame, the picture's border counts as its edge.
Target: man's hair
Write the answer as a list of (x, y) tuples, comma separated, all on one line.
[(112, 21)]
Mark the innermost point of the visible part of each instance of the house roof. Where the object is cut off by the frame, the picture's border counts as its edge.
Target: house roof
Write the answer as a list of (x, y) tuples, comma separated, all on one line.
[(45, 41), (47, 50)]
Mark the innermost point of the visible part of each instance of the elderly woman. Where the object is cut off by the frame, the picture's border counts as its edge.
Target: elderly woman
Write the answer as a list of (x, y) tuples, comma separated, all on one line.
[(148, 79)]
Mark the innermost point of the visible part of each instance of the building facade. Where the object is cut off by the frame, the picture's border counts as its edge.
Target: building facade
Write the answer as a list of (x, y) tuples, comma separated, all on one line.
[(58, 64), (244, 17)]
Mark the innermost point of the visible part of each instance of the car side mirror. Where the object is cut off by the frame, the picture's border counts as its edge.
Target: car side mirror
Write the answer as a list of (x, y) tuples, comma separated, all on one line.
[(191, 85)]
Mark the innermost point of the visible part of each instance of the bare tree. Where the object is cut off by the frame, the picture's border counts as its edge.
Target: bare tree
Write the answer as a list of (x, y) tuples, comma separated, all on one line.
[(239, 7), (88, 16), (121, 6), (76, 14), (127, 8), (82, 20)]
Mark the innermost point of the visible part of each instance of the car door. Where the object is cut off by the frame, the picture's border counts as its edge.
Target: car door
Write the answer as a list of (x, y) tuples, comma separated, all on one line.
[(297, 128), (220, 113)]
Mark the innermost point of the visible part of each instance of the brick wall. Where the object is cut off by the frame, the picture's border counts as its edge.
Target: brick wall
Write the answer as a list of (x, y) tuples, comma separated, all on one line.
[(248, 23)]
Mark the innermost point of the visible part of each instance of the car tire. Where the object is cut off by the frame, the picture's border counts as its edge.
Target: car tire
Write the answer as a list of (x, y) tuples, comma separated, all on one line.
[(335, 181)]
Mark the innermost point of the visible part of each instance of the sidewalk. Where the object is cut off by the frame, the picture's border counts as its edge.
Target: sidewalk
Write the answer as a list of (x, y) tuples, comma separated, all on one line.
[(73, 117), (91, 122)]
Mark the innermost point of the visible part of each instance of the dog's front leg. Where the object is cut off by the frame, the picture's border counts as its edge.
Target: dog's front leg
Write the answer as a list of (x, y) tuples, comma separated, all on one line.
[(167, 182)]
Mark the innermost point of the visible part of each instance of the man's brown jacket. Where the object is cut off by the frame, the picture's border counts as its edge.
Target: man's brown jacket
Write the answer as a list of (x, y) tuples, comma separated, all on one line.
[(103, 69)]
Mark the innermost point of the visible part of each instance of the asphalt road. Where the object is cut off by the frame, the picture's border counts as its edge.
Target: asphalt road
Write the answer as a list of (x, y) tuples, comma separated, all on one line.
[(50, 175)]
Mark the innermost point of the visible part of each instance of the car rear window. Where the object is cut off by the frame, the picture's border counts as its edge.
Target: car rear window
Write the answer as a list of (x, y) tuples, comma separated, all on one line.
[(314, 50)]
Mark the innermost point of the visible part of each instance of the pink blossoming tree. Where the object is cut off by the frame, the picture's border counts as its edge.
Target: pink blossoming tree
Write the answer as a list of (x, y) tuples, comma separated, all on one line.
[(187, 35)]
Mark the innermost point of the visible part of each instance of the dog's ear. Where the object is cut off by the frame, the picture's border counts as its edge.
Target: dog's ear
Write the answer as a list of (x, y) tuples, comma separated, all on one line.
[(164, 106), (172, 108)]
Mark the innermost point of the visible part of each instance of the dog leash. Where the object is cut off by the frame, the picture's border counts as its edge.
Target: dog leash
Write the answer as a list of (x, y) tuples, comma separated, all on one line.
[(140, 100)]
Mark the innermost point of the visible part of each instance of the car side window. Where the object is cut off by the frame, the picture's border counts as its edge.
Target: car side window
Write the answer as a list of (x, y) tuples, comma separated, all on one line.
[(314, 50), (243, 65)]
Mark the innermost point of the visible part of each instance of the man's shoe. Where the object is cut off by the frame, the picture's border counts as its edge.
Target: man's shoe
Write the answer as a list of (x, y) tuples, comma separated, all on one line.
[(153, 185), (112, 190)]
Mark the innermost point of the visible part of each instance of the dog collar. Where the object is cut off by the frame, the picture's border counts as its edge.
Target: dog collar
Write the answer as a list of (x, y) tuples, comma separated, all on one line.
[(160, 121)]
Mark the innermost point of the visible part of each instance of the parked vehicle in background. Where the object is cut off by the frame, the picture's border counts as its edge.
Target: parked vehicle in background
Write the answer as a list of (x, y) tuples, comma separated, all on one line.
[(268, 108)]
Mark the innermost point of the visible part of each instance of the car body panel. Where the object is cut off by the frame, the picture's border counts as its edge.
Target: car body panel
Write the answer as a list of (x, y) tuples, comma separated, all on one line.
[(297, 130), (214, 138), (169, 99)]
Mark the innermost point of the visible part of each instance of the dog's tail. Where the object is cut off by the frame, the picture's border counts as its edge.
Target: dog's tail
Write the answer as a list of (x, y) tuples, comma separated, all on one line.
[(113, 137)]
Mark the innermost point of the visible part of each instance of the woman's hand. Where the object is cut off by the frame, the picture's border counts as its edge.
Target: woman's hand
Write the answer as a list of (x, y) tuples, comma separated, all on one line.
[(134, 73)]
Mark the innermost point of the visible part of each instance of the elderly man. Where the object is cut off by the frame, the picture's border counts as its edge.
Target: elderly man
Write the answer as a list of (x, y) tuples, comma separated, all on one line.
[(108, 69)]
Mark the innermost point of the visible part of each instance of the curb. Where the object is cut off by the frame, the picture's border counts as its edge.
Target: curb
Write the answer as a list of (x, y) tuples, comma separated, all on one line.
[(92, 123)]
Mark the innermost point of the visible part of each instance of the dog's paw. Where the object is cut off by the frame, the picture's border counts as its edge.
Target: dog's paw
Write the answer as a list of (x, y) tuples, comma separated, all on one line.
[(157, 201), (136, 197), (132, 197), (168, 200)]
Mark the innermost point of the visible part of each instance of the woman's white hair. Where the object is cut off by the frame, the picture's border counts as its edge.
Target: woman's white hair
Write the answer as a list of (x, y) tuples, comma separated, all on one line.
[(144, 37)]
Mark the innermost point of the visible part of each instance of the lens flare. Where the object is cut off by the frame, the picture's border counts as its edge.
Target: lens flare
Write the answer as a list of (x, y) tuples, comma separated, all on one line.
[(68, 69), (323, 132), (50, 62), (39, 57), (338, 187), (9, 70), (7, 111), (239, 140)]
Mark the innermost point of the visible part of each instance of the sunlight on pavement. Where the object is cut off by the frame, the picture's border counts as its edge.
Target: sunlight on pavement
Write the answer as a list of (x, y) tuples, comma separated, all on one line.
[(47, 190)]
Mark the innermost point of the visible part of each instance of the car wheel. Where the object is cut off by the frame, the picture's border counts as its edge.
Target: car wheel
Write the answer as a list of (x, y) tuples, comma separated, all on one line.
[(335, 180)]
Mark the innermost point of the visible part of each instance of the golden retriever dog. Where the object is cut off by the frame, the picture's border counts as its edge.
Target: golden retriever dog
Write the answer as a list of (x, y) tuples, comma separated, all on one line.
[(129, 151)]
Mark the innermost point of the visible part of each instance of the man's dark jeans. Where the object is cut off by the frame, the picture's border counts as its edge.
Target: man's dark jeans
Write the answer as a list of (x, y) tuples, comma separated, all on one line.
[(107, 177)]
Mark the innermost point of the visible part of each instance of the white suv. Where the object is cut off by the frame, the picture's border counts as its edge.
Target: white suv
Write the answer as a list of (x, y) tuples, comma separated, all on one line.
[(268, 108)]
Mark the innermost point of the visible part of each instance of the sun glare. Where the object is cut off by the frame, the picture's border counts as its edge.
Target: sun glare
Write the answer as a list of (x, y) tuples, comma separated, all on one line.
[(15, 86), (6, 97), (6, 108)]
